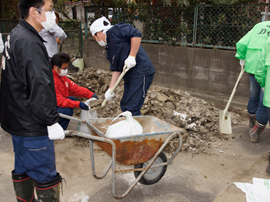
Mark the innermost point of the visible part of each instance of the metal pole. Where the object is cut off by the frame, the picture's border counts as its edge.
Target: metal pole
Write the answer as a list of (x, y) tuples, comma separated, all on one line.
[(266, 11)]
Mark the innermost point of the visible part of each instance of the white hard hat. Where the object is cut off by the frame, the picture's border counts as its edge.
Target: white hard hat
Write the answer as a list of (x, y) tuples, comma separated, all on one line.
[(100, 24)]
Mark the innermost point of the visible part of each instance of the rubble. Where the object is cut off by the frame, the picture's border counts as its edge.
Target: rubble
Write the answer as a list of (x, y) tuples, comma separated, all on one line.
[(198, 117)]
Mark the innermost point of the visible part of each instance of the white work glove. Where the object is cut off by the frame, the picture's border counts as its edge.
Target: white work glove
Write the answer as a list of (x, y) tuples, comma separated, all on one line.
[(263, 89), (108, 95), (242, 62), (56, 132), (130, 62)]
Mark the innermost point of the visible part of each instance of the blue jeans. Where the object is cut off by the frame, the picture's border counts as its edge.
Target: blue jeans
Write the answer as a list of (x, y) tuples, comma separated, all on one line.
[(255, 103), (34, 156), (268, 113), (134, 94), (67, 111)]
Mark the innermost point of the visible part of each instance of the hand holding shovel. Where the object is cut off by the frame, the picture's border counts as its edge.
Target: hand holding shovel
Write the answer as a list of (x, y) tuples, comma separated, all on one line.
[(125, 69)]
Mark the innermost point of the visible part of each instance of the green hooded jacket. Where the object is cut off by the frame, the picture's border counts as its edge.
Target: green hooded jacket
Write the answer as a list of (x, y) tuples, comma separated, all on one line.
[(262, 74), (249, 47)]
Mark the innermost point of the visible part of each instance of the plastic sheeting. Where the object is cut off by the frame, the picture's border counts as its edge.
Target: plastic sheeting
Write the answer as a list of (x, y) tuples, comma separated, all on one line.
[(259, 191)]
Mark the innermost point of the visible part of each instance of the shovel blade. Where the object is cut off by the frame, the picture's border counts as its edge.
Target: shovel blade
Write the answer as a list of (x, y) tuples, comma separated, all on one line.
[(225, 125)]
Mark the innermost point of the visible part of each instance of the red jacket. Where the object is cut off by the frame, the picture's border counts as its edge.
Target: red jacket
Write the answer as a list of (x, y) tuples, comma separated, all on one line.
[(64, 88)]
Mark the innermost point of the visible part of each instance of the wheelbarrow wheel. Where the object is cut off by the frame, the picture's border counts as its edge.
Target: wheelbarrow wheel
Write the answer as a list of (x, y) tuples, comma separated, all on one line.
[(153, 175)]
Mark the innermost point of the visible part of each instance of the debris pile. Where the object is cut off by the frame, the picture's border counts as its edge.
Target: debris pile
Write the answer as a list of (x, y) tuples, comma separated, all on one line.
[(199, 118)]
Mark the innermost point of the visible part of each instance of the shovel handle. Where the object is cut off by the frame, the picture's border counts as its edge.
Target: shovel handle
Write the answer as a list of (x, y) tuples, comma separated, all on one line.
[(234, 90), (119, 78), (125, 69)]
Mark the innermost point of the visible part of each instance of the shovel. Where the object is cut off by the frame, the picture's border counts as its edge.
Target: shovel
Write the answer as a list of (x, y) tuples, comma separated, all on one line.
[(125, 69), (225, 125)]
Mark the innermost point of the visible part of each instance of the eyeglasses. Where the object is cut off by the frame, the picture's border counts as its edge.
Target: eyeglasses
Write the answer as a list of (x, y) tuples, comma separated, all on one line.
[(40, 10)]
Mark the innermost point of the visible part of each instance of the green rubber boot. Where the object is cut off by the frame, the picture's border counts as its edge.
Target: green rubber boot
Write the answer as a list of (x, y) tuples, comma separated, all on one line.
[(49, 191), (24, 187)]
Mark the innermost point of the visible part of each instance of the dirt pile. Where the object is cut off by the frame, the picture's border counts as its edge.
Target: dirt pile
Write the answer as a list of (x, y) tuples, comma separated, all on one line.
[(198, 117)]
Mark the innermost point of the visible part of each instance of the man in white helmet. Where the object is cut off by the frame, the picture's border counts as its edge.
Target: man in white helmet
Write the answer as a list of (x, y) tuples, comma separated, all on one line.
[(123, 44)]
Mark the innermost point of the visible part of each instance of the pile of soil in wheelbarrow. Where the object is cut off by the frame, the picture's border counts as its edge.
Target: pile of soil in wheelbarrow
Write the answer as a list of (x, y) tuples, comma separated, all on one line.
[(199, 118)]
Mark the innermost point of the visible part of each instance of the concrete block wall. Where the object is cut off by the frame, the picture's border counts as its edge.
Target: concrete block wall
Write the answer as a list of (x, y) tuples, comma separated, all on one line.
[(208, 71)]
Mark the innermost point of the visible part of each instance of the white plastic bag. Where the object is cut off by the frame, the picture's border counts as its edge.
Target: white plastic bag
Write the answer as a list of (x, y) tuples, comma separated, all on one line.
[(86, 115), (127, 127), (78, 63), (259, 191)]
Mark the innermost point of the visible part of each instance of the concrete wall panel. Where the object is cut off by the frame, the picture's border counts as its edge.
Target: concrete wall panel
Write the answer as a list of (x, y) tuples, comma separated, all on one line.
[(195, 69)]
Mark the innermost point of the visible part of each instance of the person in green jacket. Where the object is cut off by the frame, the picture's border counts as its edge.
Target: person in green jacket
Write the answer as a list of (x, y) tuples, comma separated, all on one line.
[(262, 76), (249, 49)]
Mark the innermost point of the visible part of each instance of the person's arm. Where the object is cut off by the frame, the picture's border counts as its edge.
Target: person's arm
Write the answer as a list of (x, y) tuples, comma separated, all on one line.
[(40, 84), (65, 102), (261, 69), (57, 40), (135, 45), (78, 91), (58, 32), (263, 63), (242, 45), (134, 35), (115, 76)]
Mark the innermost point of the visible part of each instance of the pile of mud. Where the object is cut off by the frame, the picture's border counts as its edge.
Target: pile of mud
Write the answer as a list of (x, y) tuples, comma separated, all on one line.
[(199, 118)]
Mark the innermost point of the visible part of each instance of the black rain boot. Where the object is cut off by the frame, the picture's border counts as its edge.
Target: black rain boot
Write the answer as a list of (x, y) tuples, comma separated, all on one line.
[(256, 131), (252, 120), (268, 166), (24, 187), (49, 191)]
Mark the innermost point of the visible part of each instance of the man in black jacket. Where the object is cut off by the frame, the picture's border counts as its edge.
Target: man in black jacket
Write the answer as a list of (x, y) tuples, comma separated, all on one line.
[(28, 104)]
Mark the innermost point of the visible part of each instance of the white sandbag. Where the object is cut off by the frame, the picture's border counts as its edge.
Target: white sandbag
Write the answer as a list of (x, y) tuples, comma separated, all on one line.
[(78, 63), (259, 191), (127, 127), (86, 115)]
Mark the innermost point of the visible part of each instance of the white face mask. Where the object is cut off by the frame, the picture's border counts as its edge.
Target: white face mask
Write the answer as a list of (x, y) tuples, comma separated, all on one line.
[(50, 20), (102, 43), (63, 72)]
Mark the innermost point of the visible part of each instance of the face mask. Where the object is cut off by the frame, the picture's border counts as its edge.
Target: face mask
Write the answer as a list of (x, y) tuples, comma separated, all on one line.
[(102, 43), (63, 72), (50, 20)]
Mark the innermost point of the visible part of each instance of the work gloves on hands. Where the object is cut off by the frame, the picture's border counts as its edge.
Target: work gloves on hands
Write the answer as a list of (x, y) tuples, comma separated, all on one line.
[(84, 106), (55, 132), (95, 96), (108, 95), (242, 62), (130, 62)]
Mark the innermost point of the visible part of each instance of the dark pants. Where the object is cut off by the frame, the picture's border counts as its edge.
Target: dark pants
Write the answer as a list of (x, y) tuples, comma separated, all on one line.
[(134, 94), (255, 103), (268, 112), (67, 111), (35, 156)]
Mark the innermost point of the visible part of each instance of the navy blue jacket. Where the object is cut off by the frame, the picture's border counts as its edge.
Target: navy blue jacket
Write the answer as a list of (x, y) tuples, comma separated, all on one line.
[(118, 48)]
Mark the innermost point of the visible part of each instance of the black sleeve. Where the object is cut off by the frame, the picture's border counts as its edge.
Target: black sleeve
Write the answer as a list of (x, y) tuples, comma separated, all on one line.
[(40, 85)]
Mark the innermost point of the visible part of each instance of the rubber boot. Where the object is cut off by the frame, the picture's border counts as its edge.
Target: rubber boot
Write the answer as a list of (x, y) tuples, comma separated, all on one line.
[(268, 166), (49, 191), (252, 120), (256, 131), (24, 187)]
